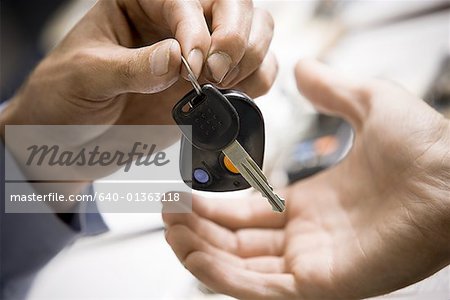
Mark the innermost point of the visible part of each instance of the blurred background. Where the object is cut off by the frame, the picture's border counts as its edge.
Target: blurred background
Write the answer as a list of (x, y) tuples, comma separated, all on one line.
[(403, 41)]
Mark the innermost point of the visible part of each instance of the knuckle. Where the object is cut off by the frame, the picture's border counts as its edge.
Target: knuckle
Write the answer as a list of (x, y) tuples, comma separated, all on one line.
[(268, 76), (124, 71), (84, 66), (168, 234), (266, 16), (235, 40), (172, 232), (86, 61), (197, 6), (126, 68), (256, 53), (365, 92), (263, 84), (83, 56), (166, 218), (238, 39), (248, 3), (169, 6), (266, 84)]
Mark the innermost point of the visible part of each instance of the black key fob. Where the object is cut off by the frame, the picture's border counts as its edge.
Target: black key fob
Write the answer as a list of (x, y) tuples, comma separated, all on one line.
[(210, 169)]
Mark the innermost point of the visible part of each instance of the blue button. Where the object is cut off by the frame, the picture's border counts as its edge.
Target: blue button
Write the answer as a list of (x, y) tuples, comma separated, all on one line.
[(201, 175)]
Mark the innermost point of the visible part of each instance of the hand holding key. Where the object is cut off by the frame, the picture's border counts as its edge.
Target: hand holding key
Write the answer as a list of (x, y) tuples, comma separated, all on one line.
[(124, 58), (121, 63), (376, 222)]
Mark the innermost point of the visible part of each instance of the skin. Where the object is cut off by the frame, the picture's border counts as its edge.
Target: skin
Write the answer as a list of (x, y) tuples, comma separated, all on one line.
[(121, 65), (374, 223), (103, 67)]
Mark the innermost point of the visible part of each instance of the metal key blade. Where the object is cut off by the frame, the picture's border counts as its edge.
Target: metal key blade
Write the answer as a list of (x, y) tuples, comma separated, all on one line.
[(253, 174)]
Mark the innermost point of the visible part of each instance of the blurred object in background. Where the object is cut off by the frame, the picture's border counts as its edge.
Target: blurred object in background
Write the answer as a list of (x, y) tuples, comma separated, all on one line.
[(439, 93), (327, 142), (22, 22), (29, 29), (382, 13), (408, 52)]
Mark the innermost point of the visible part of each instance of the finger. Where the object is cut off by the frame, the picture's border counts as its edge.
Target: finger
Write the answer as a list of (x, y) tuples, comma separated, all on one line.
[(332, 93), (233, 214), (182, 203), (259, 242), (239, 282), (213, 233), (266, 264), (184, 241), (231, 24), (243, 242), (187, 22), (260, 82), (259, 41), (115, 70)]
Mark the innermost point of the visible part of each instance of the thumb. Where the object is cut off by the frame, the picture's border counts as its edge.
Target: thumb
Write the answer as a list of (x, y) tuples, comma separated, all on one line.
[(331, 93), (148, 69)]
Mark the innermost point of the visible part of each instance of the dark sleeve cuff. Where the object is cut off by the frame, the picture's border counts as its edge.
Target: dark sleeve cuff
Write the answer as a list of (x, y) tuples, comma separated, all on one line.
[(85, 219), (30, 240)]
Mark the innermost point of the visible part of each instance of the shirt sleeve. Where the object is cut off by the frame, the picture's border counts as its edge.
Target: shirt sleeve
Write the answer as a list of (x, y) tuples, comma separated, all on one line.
[(30, 240)]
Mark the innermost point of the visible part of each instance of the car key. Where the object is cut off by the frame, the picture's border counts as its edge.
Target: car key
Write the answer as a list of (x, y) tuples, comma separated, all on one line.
[(212, 171), (219, 133)]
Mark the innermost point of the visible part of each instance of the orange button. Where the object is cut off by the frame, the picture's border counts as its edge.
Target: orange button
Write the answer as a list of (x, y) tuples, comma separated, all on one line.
[(229, 165), (326, 144)]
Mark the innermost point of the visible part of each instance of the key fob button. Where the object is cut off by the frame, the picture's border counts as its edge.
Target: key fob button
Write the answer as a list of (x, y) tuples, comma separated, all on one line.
[(201, 176), (229, 165)]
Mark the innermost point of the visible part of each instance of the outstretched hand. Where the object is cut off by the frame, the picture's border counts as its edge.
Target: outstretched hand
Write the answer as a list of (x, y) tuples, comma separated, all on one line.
[(376, 222)]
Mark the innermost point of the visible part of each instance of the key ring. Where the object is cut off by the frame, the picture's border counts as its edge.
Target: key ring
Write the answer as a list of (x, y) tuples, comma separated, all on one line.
[(191, 77)]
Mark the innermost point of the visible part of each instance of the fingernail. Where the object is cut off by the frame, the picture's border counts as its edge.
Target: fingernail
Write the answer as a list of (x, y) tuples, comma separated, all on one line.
[(219, 64), (195, 60), (231, 76), (160, 58)]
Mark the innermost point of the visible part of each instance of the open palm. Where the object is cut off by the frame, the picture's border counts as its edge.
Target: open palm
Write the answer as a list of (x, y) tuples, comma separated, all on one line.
[(372, 224)]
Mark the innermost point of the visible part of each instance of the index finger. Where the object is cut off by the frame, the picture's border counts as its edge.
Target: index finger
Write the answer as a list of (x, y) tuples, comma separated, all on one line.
[(187, 22)]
